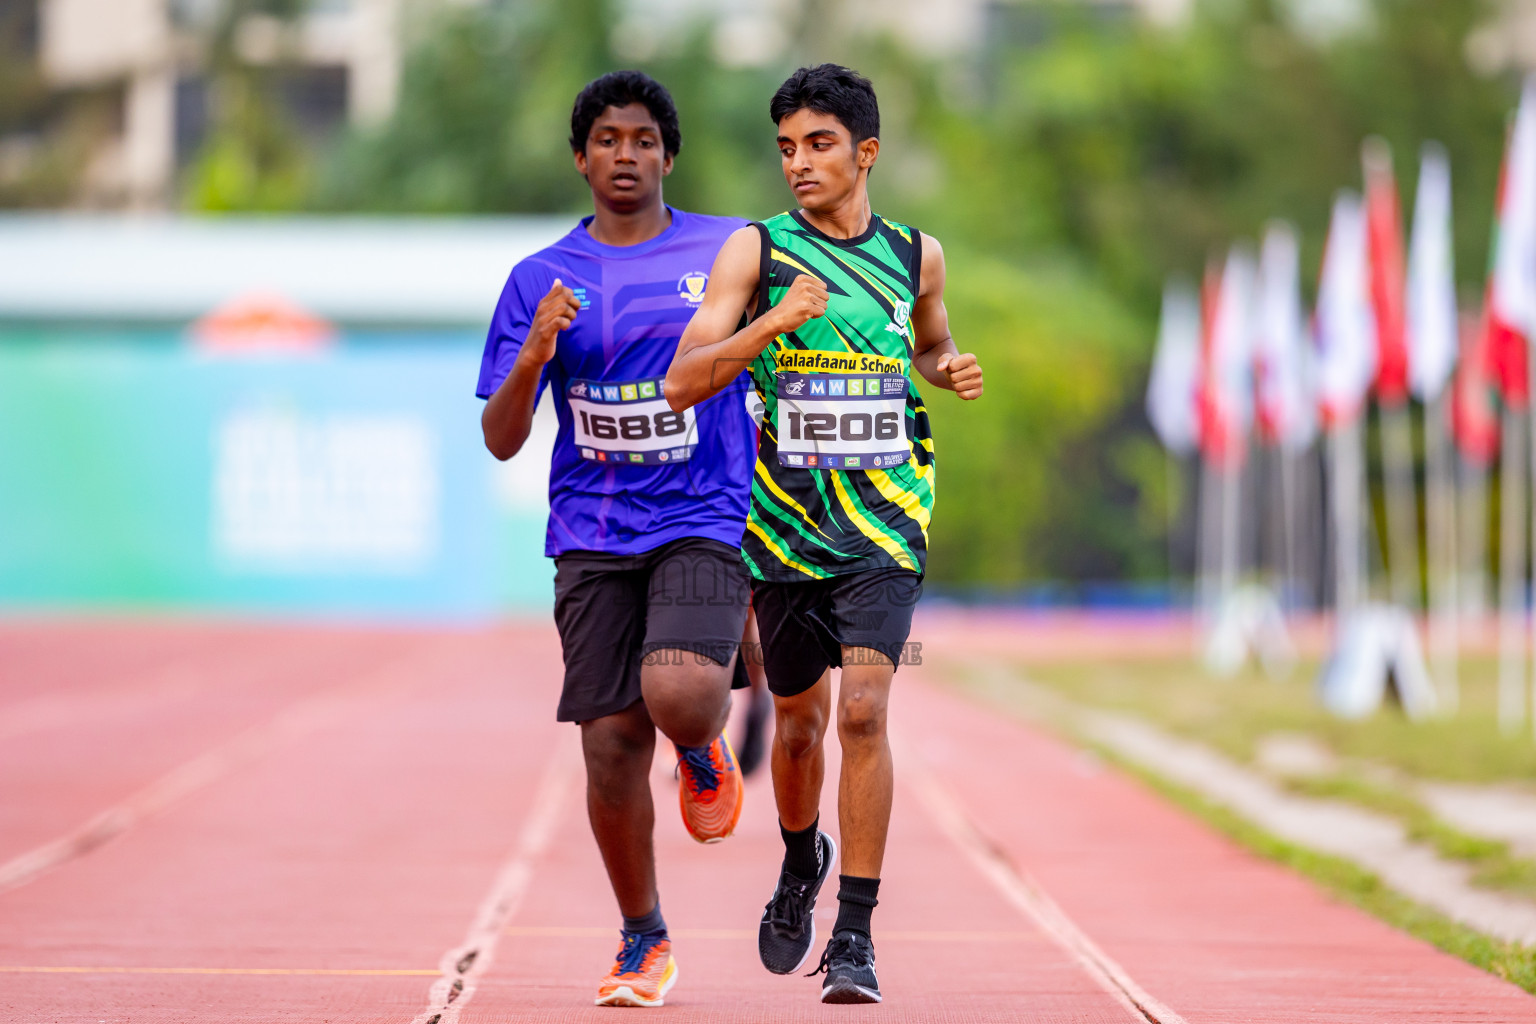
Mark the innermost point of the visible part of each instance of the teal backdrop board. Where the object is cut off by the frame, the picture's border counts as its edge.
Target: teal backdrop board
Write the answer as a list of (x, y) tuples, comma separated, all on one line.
[(136, 472)]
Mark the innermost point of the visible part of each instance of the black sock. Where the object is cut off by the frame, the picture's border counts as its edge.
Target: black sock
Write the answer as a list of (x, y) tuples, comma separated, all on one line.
[(855, 902), (802, 851), (651, 922)]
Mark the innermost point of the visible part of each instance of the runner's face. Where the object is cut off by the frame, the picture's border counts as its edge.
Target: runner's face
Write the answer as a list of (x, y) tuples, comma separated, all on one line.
[(624, 161), (821, 163)]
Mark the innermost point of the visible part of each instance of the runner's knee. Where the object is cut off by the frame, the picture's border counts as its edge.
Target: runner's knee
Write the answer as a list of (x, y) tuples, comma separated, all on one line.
[(688, 697), (861, 716), (798, 730)]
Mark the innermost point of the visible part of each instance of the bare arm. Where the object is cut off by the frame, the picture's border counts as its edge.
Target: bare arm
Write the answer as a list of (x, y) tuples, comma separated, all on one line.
[(934, 352), (712, 352), (508, 415)]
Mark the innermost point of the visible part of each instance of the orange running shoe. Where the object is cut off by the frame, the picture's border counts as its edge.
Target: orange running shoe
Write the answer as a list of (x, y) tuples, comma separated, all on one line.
[(709, 790), (642, 972)]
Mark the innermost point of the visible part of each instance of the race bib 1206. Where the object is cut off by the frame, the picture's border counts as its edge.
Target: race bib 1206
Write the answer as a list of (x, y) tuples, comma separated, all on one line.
[(629, 422), (842, 421)]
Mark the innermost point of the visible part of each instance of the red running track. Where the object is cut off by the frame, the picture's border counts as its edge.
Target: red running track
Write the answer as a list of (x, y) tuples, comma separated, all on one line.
[(246, 823)]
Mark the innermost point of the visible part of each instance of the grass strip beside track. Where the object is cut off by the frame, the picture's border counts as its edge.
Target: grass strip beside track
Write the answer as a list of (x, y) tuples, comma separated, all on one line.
[(1511, 961), (1495, 866), (1234, 715)]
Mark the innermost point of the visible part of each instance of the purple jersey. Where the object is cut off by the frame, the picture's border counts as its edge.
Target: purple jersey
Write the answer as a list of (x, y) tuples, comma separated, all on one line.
[(628, 474)]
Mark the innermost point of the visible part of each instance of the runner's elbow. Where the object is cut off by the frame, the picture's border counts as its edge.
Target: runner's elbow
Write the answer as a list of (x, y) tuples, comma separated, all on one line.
[(502, 447), (678, 394)]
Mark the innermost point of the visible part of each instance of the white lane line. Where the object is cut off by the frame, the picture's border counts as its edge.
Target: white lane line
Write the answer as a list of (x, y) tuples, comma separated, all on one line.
[(993, 862), (302, 717), (462, 966)]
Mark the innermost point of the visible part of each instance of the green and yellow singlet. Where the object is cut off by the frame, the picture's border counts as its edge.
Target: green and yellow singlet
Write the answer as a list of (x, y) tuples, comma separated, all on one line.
[(845, 474)]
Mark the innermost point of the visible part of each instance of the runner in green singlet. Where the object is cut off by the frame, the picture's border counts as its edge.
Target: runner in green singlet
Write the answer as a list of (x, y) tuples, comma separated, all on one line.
[(843, 305)]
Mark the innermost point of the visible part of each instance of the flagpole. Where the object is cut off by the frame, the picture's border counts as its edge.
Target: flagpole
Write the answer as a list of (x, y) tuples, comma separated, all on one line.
[(1344, 444), (1401, 502), (1530, 533), (1472, 518), (1174, 480), (1512, 535), (1287, 568), (1209, 544), (1440, 529), (1231, 507)]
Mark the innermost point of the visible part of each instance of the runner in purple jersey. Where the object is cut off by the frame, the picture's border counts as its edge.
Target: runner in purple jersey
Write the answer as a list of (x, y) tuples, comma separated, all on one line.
[(647, 505), (642, 476)]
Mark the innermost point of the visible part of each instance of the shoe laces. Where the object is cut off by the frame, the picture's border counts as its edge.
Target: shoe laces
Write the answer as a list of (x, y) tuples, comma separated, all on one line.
[(632, 954), (698, 767), (844, 949), (787, 909)]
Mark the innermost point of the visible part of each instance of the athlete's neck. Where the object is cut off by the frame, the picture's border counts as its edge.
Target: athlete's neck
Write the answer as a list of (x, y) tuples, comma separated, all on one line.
[(847, 219), (629, 227)]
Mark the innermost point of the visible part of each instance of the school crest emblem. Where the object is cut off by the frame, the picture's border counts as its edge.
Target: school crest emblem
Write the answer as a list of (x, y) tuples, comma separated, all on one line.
[(690, 287)]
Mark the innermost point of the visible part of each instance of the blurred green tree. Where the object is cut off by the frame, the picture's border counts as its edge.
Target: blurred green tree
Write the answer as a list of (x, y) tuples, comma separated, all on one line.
[(253, 159)]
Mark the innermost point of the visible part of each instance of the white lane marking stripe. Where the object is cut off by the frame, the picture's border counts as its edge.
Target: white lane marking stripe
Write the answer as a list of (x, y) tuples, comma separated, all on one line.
[(1024, 892), (457, 980)]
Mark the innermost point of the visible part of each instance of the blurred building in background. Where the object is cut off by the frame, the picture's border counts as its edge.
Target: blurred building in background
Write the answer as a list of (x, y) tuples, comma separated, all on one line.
[(155, 61)]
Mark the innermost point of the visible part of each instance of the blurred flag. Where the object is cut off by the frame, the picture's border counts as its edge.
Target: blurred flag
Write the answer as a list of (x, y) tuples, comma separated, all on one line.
[(1171, 393), (1384, 242), (1226, 381), (1286, 411), (1432, 322), (1474, 420), (1345, 326), (1510, 310)]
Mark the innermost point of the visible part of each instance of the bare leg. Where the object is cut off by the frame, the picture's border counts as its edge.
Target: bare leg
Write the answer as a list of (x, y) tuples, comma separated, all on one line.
[(618, 750), (864, 788), (799, 763)]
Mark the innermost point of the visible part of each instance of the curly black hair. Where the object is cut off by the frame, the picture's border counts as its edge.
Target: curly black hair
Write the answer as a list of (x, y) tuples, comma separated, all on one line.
[(830, 89), (620, 89)]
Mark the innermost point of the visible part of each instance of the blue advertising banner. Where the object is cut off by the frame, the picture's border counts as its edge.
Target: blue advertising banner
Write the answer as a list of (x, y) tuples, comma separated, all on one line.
[(138, 472)]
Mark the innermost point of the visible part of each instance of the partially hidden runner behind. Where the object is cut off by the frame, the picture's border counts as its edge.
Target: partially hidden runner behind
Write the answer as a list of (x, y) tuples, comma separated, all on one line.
[(646, 503), (845, 304)]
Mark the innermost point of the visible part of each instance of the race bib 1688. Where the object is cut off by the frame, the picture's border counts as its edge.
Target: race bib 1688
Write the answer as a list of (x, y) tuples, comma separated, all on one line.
[(842, 421), (629, 422)]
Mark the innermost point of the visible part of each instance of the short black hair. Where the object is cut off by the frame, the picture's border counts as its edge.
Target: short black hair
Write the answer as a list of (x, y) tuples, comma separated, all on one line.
[(830, 89), (620, 89)]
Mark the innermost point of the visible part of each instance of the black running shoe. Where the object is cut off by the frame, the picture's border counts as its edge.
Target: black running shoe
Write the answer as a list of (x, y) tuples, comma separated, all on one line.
[(850, 965), (788, 929)]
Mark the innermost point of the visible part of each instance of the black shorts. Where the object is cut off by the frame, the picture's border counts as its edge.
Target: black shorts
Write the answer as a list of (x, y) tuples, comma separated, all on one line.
[(805, 625), (614, 610)]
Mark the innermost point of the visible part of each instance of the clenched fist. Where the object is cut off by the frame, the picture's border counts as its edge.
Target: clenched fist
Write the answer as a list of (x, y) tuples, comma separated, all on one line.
[(554, 314), (805, 301), (964, 374)]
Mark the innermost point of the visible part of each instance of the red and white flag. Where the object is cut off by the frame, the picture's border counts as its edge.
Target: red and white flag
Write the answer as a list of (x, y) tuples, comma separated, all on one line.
[(1474, 420), (1226, 377), (1432, 318), (1384, 247), (1510, 313), (1173, 387), (1286, 410), (1344, 326)]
